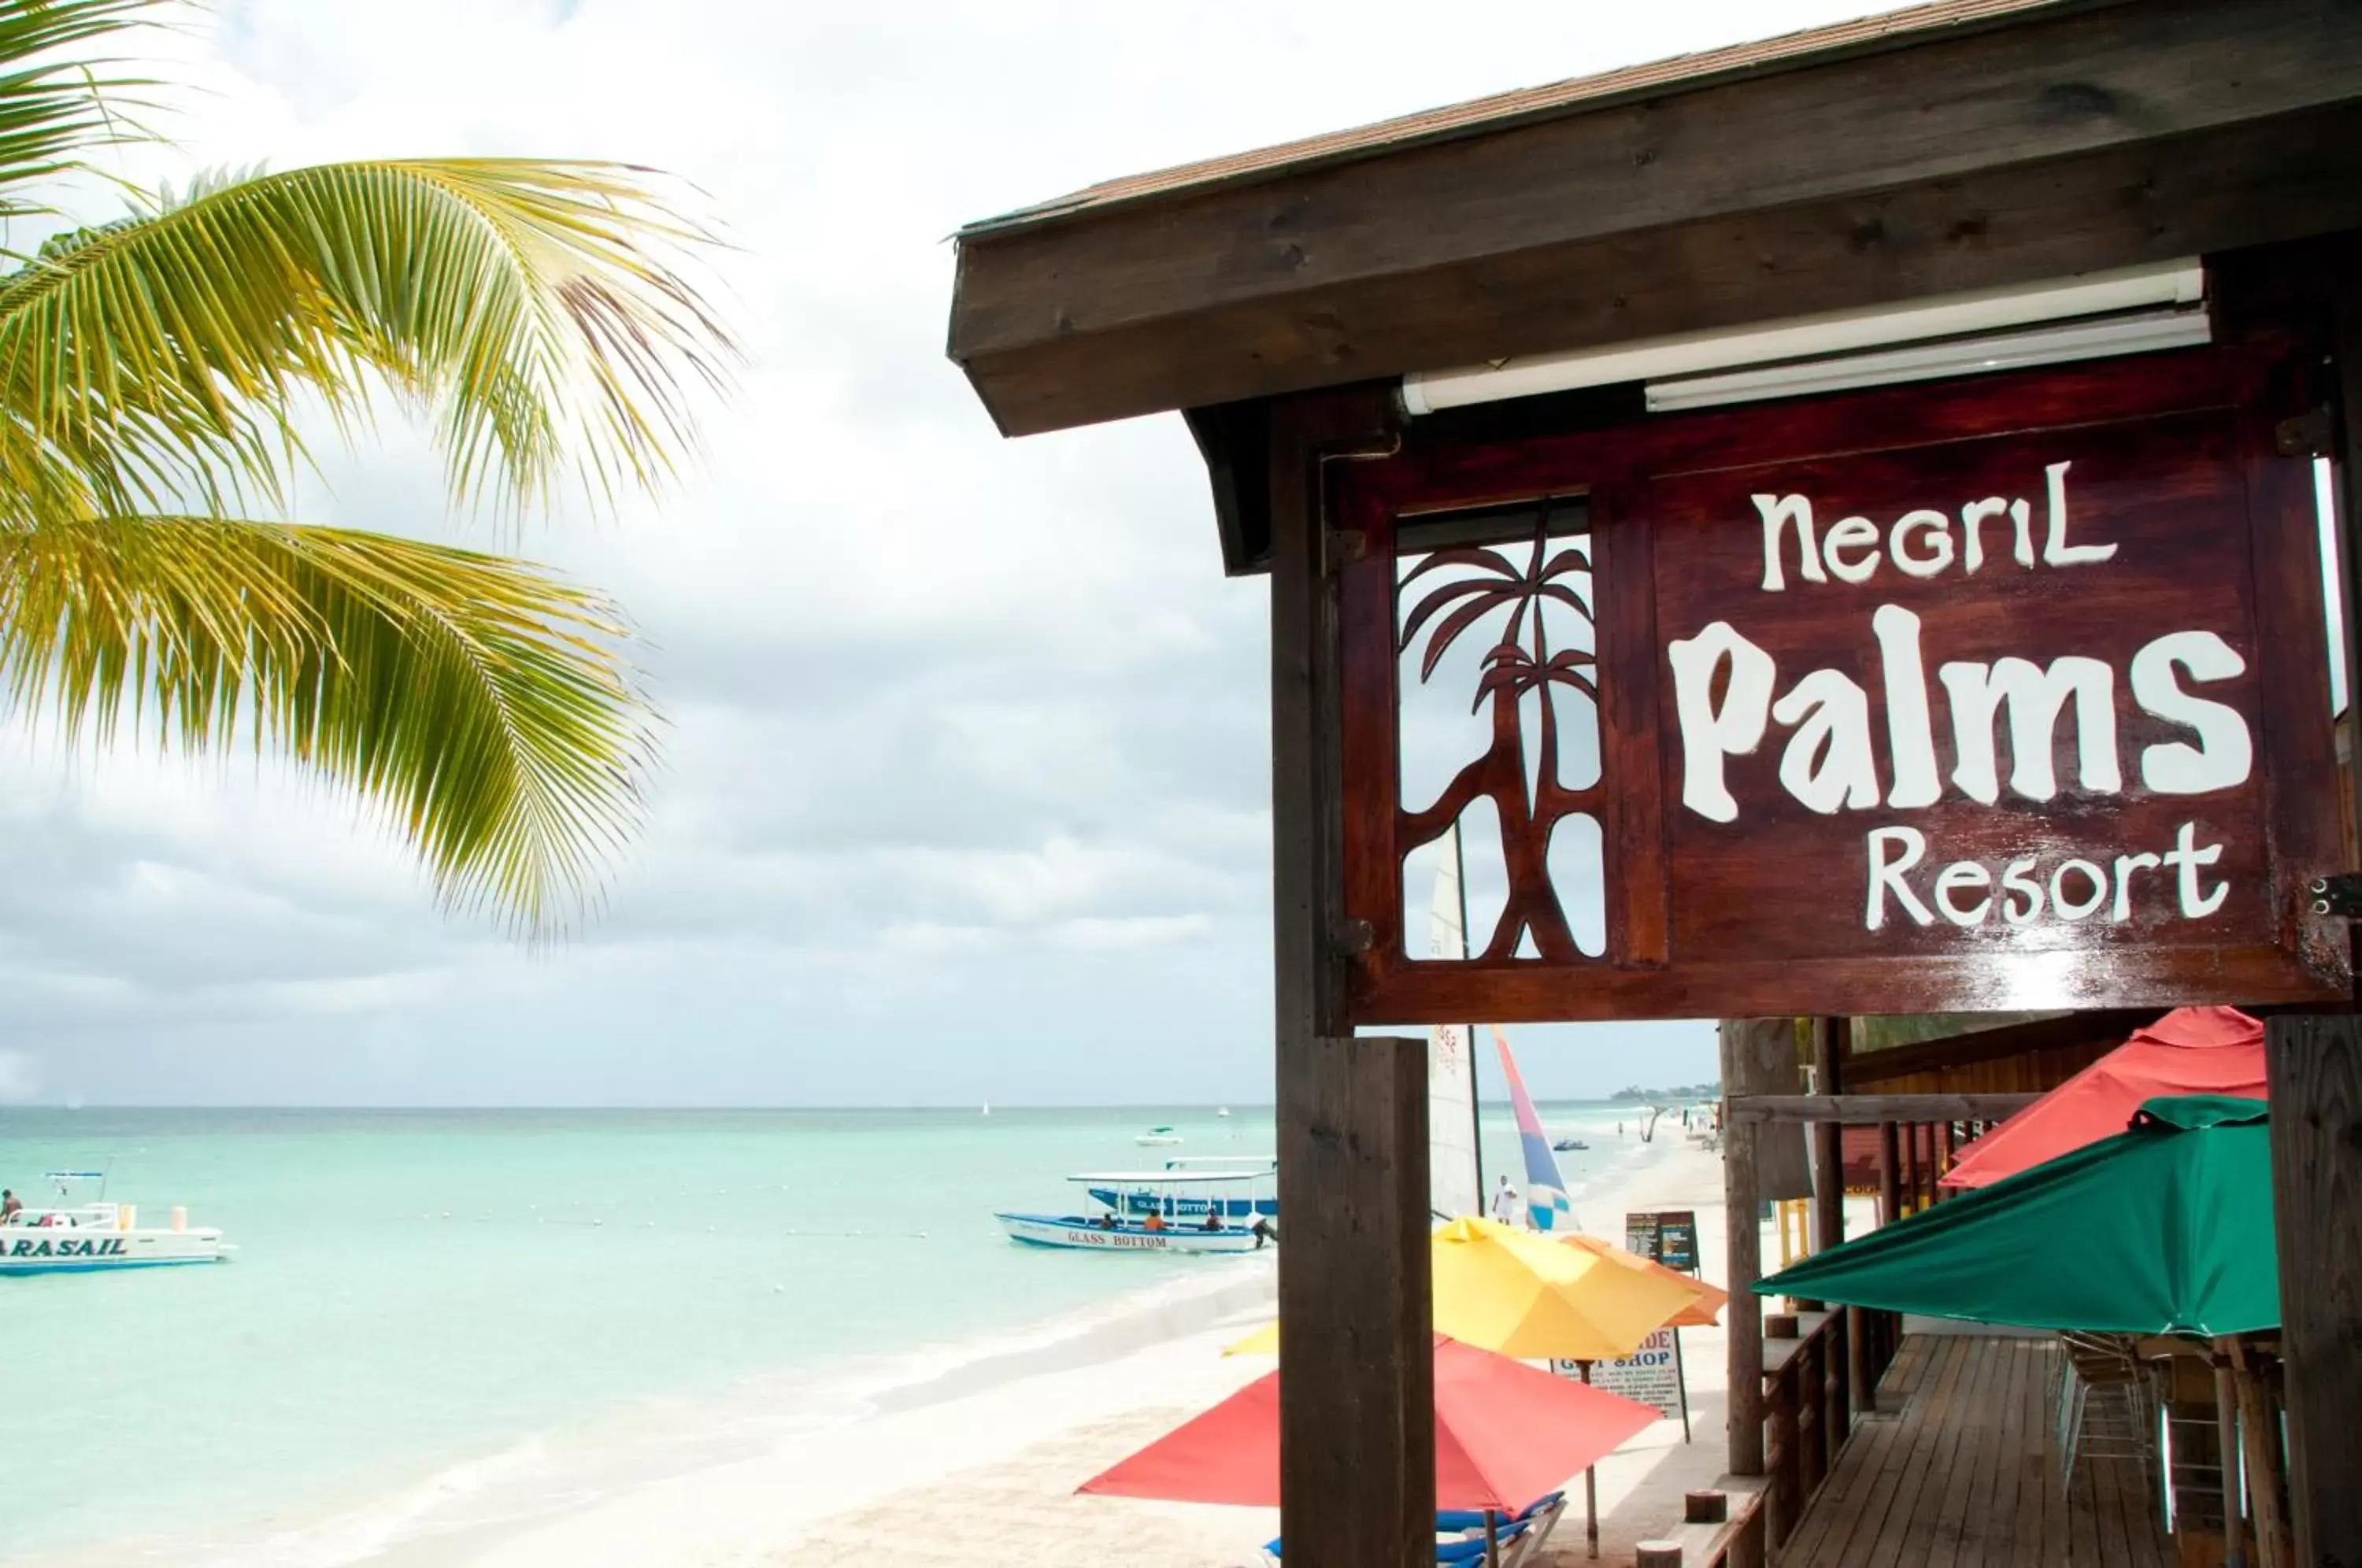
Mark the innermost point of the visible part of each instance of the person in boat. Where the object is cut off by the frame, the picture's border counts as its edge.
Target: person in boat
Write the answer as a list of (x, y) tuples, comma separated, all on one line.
[(1505, 1203), (10, 1206), (1213, 1215), (1154, 1221), (1105, 1221)]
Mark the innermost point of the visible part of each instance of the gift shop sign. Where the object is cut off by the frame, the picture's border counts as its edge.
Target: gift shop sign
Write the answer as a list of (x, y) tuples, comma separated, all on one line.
[(1971, 696)]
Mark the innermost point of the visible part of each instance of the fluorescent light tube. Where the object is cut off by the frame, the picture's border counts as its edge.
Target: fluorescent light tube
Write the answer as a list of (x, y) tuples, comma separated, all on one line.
[(1946, 315), (2144, 333)]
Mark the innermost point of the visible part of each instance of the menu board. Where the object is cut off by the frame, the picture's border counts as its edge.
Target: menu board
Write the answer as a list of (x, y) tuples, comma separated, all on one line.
[(1666, 1236)]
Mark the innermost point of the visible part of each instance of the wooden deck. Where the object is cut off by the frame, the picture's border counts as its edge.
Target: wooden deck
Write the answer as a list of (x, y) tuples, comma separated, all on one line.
[(1958, 1469)]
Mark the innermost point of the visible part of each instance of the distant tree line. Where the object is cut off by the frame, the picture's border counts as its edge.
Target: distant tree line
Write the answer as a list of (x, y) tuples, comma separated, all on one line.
[(1682, 1091)]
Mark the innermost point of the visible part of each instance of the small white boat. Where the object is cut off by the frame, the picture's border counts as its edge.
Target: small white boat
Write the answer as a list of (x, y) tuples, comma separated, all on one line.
[(1241, 1204), (1158, 1138), (1223, 1111), (1157, 1212), (98, 1237)]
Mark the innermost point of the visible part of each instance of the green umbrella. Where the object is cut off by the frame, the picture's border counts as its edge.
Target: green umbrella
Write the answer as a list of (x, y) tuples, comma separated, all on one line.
[(2164, 1229)]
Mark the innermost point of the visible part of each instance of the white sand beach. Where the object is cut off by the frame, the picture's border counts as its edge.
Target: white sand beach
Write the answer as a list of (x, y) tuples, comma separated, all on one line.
[(981, 1470)]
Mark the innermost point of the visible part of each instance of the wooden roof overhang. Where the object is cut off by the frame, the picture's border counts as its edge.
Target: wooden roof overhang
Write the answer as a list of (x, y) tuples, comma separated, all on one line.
[(1966, 144)]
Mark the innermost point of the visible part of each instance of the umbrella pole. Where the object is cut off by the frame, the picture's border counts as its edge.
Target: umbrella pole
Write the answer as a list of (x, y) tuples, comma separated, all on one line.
[(1492, 1540), (2226, 1438), (1590, 1495)]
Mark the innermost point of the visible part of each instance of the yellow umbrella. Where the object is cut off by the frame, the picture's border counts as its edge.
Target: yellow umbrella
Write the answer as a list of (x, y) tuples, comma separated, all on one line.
[(1525, 1296), (1703, 1311)]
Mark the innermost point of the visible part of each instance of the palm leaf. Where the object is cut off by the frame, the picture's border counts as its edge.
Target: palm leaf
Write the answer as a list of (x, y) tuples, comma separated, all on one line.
[(533, 307), (53, 104), (1477, 557), (1574, 558), (1436, 599), (1449, 630), (480, 703)]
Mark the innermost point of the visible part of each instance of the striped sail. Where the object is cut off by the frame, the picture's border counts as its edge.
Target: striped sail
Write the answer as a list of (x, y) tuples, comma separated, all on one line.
[(1546, 1201), (1454, 1186)]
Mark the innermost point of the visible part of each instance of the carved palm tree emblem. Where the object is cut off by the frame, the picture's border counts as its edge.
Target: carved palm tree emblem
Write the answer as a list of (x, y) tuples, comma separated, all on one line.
[(1517, 665)]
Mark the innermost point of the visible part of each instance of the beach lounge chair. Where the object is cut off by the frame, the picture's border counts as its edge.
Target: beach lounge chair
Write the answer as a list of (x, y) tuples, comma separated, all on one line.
[(1518, 1536)]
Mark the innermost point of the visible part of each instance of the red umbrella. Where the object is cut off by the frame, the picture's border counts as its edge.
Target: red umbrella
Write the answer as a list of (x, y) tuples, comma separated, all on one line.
[(2192, 1049), (1506, 1433)]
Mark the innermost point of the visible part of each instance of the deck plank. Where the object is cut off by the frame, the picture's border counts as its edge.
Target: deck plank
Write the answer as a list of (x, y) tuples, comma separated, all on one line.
[(1903, 1529), (1960, 1469), (1890, 1459), (1839, 1492), (1993, 1488), (1827, 1527), (2056, 1542), (1970, 1438), (1938, 1425), (2107, 1479), (1887, 1459), (2036, 1465), (2013, 1540)]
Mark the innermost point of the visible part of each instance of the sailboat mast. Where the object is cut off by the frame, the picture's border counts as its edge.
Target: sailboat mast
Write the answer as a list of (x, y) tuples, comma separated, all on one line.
[(1475, 1121)]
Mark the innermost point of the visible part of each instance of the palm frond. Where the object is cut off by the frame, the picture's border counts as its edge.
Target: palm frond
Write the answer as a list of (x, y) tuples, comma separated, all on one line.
[(481, 704), (53, 96), (534, 307)]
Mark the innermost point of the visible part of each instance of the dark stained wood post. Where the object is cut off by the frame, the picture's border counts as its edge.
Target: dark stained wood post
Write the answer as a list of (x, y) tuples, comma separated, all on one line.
[(1752, 1051), (1357, 1384), (1357, 1413), (2317, 1082), (1890, 1175), (1862, 1395), (1910, 1169), (1829, 1151)]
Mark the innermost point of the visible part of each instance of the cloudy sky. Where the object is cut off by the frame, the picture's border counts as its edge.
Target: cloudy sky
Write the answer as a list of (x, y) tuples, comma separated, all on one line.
[(966, 793)]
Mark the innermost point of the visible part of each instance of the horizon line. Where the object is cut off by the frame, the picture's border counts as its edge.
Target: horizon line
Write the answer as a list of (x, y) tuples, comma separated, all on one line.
[(1166, 1107)]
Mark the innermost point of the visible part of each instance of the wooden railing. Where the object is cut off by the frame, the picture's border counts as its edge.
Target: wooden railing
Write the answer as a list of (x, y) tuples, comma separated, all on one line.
[(1814, 1366)]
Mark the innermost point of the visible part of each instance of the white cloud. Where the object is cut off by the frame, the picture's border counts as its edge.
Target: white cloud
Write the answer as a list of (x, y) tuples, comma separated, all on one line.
[(966, 760), (20, 1076)]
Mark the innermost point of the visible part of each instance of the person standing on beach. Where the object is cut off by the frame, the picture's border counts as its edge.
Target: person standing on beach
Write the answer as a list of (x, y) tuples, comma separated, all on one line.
[(1505, 1203)]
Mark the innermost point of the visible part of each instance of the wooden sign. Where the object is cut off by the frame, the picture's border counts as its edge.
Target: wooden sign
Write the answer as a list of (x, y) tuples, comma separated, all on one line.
[(1998, 694), (1663, 1236), (1651, 1375)]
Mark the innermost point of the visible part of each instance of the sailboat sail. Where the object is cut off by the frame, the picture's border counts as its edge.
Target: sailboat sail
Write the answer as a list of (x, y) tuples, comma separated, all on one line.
[(1455, 1186), (1546, 1206)]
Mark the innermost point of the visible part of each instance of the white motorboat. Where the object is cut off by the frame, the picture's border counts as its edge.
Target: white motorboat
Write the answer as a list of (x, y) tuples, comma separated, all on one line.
[(1158, 1138), (99, 1236), (1241, 1204), (1157, 1212)]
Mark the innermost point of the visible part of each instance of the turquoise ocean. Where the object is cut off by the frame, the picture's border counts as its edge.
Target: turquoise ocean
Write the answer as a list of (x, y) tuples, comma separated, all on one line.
[(439, 1319)]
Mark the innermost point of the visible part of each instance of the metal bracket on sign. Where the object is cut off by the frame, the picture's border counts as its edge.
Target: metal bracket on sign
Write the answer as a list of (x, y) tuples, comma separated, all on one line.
[(2307, 434), (2340, 896)]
